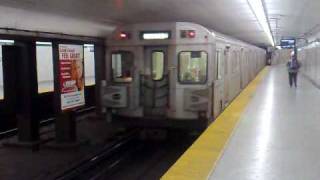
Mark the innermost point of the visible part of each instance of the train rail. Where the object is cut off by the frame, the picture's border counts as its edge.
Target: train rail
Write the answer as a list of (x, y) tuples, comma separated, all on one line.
[(105, 160)]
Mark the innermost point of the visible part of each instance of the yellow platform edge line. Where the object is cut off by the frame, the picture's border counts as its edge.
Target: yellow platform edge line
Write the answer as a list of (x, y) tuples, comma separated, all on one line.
[(200, 160)]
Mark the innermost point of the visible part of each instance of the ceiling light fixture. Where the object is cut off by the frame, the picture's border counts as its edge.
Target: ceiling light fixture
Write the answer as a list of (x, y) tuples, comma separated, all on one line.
[(88, 45), (44, 43), (259, 11), (2, 41)]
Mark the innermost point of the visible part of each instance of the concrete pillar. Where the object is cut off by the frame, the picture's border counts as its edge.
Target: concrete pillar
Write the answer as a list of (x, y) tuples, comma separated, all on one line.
[(100, 74), (20, 78)]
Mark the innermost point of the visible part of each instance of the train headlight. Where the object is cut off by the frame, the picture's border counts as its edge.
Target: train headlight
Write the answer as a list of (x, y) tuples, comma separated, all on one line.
[(124, 36), (187, 33), (191, 34)]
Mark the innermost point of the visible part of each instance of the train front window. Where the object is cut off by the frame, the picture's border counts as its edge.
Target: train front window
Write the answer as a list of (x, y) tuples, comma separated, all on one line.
[(89, 61), (193, 67), (3, 42), (44, 67), (122, 63), (157, 65)]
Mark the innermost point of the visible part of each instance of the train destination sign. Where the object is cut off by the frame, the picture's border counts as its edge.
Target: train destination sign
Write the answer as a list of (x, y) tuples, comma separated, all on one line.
[(71, 76), (159, 35)]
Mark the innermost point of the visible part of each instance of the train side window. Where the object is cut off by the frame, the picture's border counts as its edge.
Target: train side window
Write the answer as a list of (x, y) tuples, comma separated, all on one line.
[(3, 42), (122, 63), (193, 67), (227, 58), (89, 67), (44, 67), (234, 60), (218, 65), (157, 65)]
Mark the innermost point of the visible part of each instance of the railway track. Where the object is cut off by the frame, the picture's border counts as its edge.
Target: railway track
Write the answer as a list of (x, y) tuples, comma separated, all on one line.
[(106, 160), (129, 157), (154, 159)]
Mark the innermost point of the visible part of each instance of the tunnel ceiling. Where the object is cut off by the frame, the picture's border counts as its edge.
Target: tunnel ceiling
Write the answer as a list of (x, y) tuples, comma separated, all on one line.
[(293, 18), (98, 17)]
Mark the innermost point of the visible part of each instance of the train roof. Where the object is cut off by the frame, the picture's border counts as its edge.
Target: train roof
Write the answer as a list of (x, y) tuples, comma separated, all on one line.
[(133, 34), (203, 34)]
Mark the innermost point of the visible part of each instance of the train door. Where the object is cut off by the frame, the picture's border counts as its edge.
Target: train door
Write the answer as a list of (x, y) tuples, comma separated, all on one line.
[(156, 81), (226, 76), (241, 64), (251, 61), (318, 65), (314, 63), (234, 76), (218, 98), (247, 68)]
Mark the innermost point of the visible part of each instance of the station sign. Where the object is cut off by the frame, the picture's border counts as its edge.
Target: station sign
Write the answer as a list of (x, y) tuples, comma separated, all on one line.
[(71, 76), (288, 43)]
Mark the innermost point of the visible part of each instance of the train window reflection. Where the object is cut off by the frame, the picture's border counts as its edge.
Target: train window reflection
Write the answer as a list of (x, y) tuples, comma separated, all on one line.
[(44, 67), (219, 65), (227, 62), (193, 67), (3, 42), (234, 60), (157, 65), (89, 67), (122, 63)]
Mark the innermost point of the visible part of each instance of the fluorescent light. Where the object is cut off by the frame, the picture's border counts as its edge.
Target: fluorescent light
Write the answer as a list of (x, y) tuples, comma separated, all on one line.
[(43, 43), (2, 41), (258, 10), (88, 45), (150, 36)]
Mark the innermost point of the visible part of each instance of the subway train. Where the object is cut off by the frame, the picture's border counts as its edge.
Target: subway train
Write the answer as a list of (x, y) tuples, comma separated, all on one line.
[(174, 75)]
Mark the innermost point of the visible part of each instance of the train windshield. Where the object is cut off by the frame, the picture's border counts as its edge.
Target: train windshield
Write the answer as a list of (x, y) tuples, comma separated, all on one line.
[(122, 64), (193, 67)]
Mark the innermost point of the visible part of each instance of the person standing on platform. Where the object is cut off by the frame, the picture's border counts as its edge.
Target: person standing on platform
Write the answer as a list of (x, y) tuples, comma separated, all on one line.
[(293, 68)]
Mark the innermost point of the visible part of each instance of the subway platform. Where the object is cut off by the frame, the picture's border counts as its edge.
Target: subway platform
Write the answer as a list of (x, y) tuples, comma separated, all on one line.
[(269, 132)]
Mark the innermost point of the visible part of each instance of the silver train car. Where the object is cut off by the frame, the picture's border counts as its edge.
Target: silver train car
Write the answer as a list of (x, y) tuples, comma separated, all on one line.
[(174, 75)]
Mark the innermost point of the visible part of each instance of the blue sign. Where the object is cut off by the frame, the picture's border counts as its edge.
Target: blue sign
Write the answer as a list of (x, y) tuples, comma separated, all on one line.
[(288, 43)]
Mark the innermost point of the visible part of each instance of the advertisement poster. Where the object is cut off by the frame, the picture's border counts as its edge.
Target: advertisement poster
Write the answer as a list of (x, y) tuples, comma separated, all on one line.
[(71, 76)]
